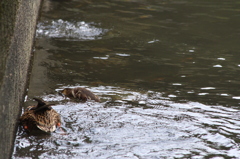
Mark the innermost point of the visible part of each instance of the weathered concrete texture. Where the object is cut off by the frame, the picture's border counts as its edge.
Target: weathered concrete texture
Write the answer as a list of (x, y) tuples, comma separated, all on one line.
[(18, 23), (7, 16)]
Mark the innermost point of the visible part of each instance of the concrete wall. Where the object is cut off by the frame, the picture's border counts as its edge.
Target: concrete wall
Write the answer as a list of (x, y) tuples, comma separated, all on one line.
[(18, 20)]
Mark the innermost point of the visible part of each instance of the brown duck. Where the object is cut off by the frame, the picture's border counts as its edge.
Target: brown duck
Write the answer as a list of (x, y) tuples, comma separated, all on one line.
[(42, 117), (80, 93)]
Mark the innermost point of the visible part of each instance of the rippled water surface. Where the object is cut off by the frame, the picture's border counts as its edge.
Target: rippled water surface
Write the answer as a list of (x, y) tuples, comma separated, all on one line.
[(167, 74)]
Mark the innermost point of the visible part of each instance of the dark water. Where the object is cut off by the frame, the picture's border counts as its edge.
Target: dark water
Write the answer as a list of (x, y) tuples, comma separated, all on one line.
[(167, 73)]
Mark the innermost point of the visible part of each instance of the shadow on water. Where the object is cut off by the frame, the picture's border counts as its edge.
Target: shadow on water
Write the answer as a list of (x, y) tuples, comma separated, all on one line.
[(166, 73)]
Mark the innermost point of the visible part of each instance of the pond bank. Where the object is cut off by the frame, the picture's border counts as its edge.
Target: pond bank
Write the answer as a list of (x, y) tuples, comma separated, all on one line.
[(18, 23)]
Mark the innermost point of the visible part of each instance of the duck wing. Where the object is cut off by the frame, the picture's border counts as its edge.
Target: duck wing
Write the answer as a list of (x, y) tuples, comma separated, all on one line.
[(48, 120)]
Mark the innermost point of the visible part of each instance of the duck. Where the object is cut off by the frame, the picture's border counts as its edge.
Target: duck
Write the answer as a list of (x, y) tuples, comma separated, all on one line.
[(82, 94), (42, 117)]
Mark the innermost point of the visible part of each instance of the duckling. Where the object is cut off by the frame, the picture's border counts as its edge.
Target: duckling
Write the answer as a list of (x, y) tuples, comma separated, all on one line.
[(80, 93), (42, 116)]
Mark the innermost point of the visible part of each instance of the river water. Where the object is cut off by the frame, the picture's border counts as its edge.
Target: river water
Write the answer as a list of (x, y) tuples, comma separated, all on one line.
[(166, 71)]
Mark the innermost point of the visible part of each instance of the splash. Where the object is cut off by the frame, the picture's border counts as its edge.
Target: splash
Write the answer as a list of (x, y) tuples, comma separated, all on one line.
[(69, 30)]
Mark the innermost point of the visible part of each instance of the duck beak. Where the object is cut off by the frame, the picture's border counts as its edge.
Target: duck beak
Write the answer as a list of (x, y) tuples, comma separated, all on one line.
[(60, 93)]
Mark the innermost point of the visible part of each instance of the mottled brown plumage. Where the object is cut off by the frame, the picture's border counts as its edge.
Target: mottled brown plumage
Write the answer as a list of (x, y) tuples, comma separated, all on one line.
[(80, 93), (42, 117)]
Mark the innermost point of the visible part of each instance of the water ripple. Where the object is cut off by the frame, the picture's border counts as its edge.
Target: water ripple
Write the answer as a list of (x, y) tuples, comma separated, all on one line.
[(157, 128)]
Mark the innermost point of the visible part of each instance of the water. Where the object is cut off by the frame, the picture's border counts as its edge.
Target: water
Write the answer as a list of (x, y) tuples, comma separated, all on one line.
[(166, 73)]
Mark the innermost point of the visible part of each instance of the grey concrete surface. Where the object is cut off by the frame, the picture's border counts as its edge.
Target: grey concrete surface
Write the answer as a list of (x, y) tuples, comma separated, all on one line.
[(18, 19)]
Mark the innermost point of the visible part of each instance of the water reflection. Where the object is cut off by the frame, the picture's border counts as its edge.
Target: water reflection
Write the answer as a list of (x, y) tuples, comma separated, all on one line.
[(131, 124), (166, 72)]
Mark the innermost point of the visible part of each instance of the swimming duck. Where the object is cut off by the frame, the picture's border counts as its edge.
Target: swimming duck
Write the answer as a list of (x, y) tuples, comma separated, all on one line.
[(80, 93), (42, 116)]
